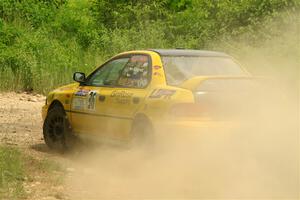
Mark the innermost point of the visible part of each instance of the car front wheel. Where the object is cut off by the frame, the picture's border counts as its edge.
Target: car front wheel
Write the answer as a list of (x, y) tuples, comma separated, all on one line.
[(56, 130)]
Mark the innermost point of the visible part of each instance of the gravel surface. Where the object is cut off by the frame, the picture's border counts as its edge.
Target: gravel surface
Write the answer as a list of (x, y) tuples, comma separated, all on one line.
[(20, 119)]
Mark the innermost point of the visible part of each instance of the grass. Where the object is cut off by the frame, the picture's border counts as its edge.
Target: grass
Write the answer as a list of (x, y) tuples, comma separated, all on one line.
[(18, 170), (11, 173), (53, 66)]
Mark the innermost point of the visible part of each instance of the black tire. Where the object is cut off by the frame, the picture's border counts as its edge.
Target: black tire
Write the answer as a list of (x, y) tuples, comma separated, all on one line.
[(142, 132), (56, 130)]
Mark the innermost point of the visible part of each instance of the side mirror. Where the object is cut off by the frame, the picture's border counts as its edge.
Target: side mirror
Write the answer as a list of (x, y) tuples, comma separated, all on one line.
[(79, 77)]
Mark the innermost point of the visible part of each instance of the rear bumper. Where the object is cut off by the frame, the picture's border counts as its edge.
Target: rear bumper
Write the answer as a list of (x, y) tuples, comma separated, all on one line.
[(196, 126)]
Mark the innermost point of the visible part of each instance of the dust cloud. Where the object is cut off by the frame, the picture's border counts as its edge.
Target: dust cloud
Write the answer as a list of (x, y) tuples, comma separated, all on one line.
[(256, 158)]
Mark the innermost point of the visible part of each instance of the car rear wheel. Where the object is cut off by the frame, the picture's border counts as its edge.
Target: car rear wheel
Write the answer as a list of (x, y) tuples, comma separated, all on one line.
[(142, 132), (56, 130)]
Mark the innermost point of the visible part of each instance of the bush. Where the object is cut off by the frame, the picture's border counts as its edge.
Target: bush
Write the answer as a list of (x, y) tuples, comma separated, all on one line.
[(43, 42)]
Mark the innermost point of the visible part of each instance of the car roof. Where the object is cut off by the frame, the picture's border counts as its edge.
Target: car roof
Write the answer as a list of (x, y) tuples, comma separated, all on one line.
[(189, 52)]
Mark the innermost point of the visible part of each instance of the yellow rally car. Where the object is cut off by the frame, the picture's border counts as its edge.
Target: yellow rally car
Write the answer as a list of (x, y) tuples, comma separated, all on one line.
[(135, 93)]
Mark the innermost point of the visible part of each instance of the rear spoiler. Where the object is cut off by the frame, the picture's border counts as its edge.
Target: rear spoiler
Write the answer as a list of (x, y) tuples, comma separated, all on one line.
[(193, 83)]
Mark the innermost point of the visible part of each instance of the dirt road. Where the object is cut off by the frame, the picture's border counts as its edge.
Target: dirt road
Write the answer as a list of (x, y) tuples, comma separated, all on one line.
[(21, 121)]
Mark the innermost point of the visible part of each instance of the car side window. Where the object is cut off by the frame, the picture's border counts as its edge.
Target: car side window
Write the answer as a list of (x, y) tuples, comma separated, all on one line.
[(136, 72), (108, 74)]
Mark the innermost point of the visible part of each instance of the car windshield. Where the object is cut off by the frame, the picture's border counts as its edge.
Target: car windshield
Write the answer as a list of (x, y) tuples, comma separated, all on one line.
[(181, 68)]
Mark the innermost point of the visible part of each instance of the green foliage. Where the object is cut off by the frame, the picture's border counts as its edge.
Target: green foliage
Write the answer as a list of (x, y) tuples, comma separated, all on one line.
[(43, 42)]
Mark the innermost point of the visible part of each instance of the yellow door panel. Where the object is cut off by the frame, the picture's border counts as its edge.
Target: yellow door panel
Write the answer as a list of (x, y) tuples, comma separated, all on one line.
[(121, 106)]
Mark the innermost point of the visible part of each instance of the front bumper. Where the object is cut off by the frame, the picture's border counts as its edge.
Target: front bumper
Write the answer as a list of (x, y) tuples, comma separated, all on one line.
[(44, 111)]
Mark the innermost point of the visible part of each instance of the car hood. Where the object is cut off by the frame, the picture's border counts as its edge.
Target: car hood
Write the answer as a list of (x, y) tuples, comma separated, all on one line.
[(67, 87)]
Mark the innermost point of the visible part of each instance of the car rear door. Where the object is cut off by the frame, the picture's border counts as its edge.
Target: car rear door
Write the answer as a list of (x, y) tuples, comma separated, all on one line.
[(127, 97)]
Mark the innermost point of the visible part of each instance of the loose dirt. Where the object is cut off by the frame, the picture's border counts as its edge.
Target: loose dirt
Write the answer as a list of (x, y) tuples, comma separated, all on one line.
[(21, 120)]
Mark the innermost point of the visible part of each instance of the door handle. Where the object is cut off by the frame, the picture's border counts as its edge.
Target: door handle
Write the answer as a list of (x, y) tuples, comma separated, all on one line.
[(136, 100), (101, 98)]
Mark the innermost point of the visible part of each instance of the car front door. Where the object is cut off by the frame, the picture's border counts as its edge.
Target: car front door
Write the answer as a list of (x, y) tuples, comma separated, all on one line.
[(107, 102), (90, 104)]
